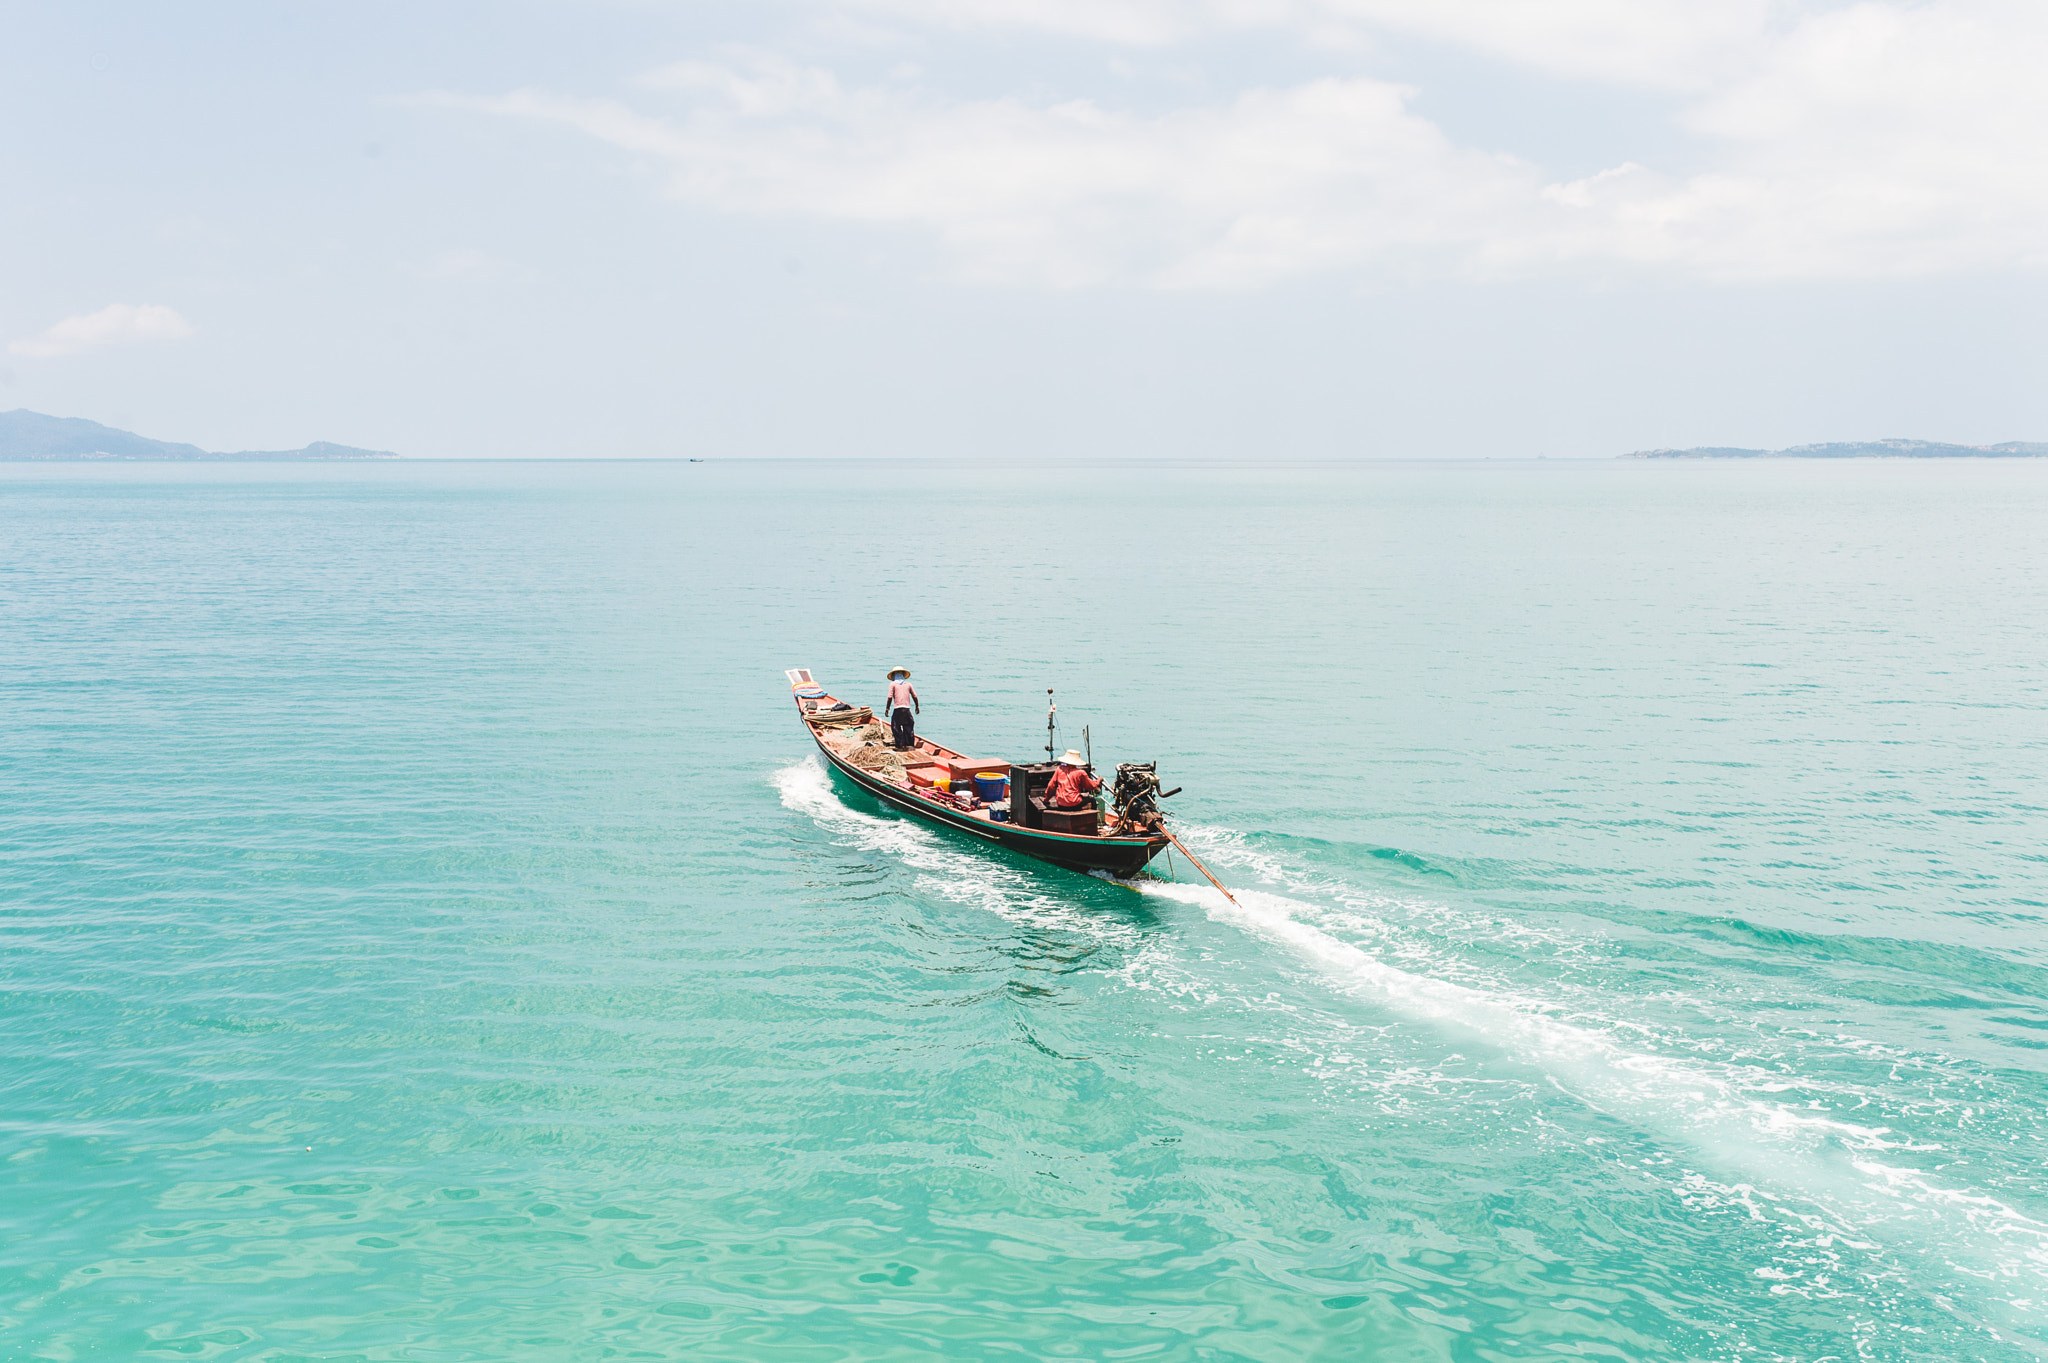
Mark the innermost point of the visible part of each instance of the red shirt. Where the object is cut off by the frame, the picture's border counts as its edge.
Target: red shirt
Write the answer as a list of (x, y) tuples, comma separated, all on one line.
[(1071, 787)]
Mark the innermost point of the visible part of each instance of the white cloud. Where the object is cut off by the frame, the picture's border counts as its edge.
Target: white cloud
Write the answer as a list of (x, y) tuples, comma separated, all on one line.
[(1140, 22), (1671, 43), (1877, 139), (1873, 140), (117, 324), (1275, 183)]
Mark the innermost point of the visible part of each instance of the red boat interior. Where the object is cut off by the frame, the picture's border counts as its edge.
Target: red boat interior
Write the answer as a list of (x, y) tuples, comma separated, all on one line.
[(947, 779)]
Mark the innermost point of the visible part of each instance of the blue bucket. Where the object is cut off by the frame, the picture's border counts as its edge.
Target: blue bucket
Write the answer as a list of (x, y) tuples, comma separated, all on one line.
[(989, 786)]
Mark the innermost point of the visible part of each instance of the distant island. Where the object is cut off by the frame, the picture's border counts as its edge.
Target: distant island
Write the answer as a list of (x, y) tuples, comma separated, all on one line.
[(31, 435), (1861, 449)]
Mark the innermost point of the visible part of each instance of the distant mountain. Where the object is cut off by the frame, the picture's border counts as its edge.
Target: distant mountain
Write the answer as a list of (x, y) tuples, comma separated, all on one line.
[(1861, 449), (31, 435), (319, 449)]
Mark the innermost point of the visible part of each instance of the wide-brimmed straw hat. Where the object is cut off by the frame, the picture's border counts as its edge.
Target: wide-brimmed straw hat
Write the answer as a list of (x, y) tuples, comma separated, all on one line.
[(1073, 758), (894, 670)]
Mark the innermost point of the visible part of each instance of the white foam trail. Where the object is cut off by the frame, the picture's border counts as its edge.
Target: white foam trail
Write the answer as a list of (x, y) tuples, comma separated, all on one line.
[(1386, 921), (1227, 848), (1822, 1158)]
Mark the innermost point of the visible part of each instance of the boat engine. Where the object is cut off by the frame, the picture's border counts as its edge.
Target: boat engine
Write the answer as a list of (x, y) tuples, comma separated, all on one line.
[(1136, 795)]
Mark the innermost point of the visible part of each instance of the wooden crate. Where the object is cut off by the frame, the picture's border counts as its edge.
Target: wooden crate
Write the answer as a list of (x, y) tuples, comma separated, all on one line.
[(965, 769), (1083, 821)]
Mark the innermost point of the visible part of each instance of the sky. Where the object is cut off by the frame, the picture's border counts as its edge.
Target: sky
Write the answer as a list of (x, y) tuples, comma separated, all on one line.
[(1028, 229)]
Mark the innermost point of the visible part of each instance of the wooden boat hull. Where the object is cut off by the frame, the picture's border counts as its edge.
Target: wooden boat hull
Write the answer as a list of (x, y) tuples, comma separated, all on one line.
[(1120, 856)]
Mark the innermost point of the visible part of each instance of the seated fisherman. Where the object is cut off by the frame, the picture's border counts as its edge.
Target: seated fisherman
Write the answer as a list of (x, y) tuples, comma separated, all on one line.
[(1071, 787)]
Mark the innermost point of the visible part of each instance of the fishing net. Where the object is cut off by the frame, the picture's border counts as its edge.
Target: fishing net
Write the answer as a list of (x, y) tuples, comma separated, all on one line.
[(876, 758), (837, 719)]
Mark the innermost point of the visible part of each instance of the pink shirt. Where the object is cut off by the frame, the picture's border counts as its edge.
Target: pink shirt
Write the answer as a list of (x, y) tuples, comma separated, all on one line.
[(901, 696)]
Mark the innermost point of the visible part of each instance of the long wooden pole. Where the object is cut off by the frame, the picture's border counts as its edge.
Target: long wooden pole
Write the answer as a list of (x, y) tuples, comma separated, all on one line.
[(1198, 864)]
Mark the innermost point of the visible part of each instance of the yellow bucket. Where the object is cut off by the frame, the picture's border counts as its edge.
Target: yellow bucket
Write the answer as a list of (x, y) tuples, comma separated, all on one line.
[(942, 783)]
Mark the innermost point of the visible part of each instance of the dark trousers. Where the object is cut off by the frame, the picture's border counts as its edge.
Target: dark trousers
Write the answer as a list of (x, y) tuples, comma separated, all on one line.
[(902, 727)]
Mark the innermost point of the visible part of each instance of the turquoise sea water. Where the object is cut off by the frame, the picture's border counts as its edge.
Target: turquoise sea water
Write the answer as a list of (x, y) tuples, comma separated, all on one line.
[(425, 935)]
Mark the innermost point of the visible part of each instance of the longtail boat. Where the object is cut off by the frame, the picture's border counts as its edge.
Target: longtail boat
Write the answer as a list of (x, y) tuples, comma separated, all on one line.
[(938, 784)]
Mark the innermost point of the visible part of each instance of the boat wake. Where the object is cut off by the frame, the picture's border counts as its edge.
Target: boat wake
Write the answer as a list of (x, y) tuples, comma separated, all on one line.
[(1792, 1162), (1824, 1178)]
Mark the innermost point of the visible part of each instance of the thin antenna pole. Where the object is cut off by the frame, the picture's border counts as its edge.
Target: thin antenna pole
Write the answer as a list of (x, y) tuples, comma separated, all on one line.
[(1050, 710)]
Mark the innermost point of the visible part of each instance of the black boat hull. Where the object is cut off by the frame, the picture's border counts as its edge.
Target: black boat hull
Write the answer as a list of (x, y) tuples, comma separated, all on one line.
[(1121, 857)]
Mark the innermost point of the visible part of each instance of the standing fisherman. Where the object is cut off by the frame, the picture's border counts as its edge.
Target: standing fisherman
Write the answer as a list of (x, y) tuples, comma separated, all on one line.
[(902, 701)]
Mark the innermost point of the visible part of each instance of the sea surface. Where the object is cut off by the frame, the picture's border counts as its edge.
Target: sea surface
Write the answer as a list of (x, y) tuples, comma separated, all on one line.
[(427, 934)]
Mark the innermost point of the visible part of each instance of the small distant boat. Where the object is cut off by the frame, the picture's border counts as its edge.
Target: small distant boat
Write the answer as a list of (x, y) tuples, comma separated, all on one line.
[(939, 785)]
